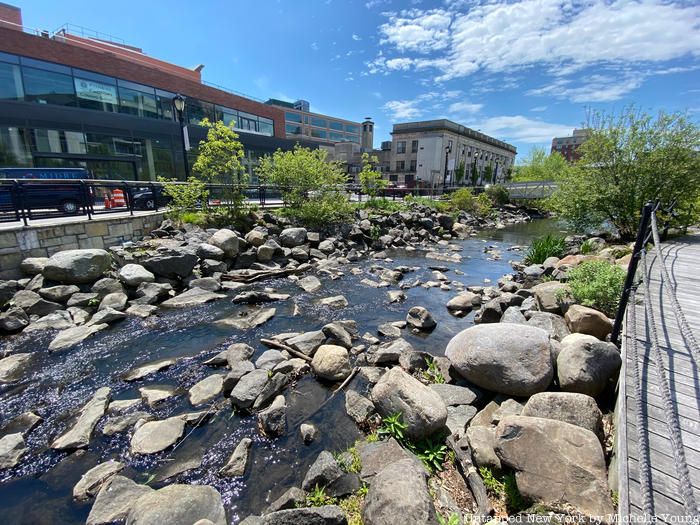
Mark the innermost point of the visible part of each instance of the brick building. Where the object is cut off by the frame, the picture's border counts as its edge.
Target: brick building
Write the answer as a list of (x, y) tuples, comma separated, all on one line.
[(568, 146)]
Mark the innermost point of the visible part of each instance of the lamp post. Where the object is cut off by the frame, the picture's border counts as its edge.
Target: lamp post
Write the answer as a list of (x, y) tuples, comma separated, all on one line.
[(448, 149), (179, 104)]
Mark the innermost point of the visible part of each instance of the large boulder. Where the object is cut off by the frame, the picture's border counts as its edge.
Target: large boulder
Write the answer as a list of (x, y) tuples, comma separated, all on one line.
[(12, 367), (12, 448), (511, 359), (79, 435), (291, 237), (227, 241), (420, 318), (423, 410), (33, 304), (556, 463), (155, 436), (331, 362), (13, 320), (584, 320), (115, 499), (171, 265), (72, 336), (578, 409), (135, 274), (77, 266), (91, 482), (178, 505), (550, 296), (325, 515), (32, 266), (586, 366), (399, 490)]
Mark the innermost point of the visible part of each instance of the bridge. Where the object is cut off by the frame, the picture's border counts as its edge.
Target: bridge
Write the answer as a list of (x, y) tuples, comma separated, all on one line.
[(658, 407)]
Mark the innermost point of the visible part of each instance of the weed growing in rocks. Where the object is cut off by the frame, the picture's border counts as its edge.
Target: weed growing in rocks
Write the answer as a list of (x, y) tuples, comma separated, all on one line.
[(543, 248), (597, 284), (352, 506), (318, 498), (433, 374), (393, 426), (431, 451), (504, 489), (452, 520)]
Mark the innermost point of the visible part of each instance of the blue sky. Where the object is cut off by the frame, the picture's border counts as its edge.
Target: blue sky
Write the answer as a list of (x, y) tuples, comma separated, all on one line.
[(522, 71)]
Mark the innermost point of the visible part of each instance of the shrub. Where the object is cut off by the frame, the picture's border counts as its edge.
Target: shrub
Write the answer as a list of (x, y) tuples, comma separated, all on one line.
[(543, 248), (463, 199), (503, 487), (319, 212), (597, 284), (498, 194)]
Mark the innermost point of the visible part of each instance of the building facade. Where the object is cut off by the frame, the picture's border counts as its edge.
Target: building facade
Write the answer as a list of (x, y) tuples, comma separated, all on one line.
[(71, 100), (568, 146), (441, 152)]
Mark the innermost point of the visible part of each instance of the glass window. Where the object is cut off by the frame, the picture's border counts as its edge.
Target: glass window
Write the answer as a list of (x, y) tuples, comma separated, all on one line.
[(351, 129), (47, 66), (319, 122), (292, 117), (247, 122), (413, 165), (336, 125), (164, 101), (14, 150), (56, 141), (414, 146), (337, 137), (196, 111), (266, 126), (400, 165), (354, 138), (99, 144), (291, 129), (10, 82), (6, 57), (226, 115), (135, 86), (104, 79), (401, 146), (46, 87), (137, 103), (319, 134), (96, 95)]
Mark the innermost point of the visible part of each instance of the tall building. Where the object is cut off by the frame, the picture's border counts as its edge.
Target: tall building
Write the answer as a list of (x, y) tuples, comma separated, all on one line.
[(568, 146), (432, 153), (79, 98)]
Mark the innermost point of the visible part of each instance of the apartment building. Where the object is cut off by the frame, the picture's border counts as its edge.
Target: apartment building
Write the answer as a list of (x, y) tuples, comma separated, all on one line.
[(568, 146)]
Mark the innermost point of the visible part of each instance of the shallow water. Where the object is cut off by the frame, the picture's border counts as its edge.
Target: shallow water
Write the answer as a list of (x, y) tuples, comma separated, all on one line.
[(39, 489)]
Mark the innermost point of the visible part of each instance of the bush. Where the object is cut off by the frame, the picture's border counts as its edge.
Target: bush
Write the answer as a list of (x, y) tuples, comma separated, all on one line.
[(463, 200), (543, 248), (597, 284), (498, 194), (316, 213)]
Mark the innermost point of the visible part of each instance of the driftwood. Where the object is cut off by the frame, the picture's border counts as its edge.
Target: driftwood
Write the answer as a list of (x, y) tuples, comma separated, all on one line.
[(471, 475), (249, 276), (281, 346)]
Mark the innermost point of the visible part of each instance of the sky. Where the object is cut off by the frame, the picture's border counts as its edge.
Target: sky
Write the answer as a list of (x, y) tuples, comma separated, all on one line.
[(522, 71)]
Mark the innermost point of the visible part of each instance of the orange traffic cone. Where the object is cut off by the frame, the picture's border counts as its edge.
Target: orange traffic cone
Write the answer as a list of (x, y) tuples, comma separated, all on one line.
[(108, 202), (118, 199)]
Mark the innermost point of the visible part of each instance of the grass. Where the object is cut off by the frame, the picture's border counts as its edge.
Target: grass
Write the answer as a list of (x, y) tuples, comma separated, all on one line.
[(352, 506), (452, 520), (543, 248), (597, 284), (318, 498), (432, 451), (587, 247), (433, 374), (355, 464), (503, 488)]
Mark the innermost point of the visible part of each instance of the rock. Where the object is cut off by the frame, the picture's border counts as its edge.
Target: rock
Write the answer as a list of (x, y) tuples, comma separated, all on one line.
[(236, 464), (32, 266), (482, 440), (117, 424), (178, 505), (153, 395), (175, 265), (238, 370), (209, 251), (292, 498), (77, 266), (510, 359), (13, 320), (256, 237), (337, 335), (84, 299), (24, 424), (458, 417), (331, 363), (534, 271), (206, 390), (420, 318), (584, 320), (206, 283), (549, 296), (388, 330), (119, 405), (423, 411), (135, 274), (79, 435), (106, 316), (142, 310), (358, 407), (513, 315), (155, 436), (291, 237), (273, 387), (269, 359), (324, 471), (325, 515), (235, 352), (587, 367), (248, 388), (92, 481), (72, 336), (273, 420), (250, 320), (106, 285), (257, 297), (265, 253), (59, 320), (396, 296), (308, 342), (400, 489), (33, 304), (552, 323), (192, 297), (13, 366), (149, 293), (453, 395), (464, 302), (310, 284), (308, 433), (12, 448), (578, 409), (58, 294), (115, 499), (556, 463), (149, 368), (227, 241), (377, 455), (337, 301)]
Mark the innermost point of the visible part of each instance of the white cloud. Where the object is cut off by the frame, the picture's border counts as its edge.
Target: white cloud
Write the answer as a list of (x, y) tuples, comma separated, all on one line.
[(403, 109), (398, 64), (594, 88), (356, 37), (417, 30), (314, 46), (374, 3), (539, 108), (517, 128), (431, 102), (465, 107)]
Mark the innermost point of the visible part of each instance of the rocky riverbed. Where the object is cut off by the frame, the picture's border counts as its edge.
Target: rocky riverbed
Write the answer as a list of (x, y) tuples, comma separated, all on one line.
[(192, 375)]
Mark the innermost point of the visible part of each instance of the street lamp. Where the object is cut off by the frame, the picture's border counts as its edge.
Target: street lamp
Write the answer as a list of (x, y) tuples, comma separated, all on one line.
[(448, 150), (179, 104)]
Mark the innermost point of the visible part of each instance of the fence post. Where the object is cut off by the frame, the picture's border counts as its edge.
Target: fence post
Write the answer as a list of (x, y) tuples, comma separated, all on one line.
[(127, 193), (87, 204), (631, 271), (19, 203)]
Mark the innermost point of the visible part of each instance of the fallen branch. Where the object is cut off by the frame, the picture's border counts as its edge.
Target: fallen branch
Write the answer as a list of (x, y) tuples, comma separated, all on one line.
[(472, 477), (249, 276), (281, 346)]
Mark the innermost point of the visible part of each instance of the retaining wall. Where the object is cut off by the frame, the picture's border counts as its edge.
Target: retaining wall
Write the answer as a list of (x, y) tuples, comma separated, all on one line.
[(43, 241)]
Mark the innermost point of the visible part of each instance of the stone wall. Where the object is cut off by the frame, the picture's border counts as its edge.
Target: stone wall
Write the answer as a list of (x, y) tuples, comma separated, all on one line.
[(43, 241)]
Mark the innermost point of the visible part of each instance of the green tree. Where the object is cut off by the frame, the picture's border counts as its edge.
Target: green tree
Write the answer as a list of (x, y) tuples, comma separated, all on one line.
[(370, 179), (540, 166), (488, 174), (459, 173), (475, 173), (628, 159)]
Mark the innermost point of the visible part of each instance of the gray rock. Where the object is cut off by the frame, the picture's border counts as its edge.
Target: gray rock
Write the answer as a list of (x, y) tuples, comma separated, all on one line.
[(273, 387), (105, 316), (193, 297), (511, 359), (257, 297), (178, 505), (291, 237), (153, 395), (79, 434), (465, 301), (206, 283), (556, 463), (155, 436), (32, 266), (336, 301), (13, 320), (549, 296), (273, 420), (24, 424), (292, 498), (59, 320), (389, 353), (454, 395), (578, 409), (115, 499), (12, 448), (209, 251), (265, 252), (141, 310), (106, 285), (227, 241), (77, 266), (388, 330), (358, 407), (60, 293), (256, 237), (12, 367), (33, 304), (117, 424), (92, 481), (423, 411), (400, 489), (236, 464), (250, 320), (482, 440), (584, 320), (248, 388), (396, 296), (513, 315), (420, 318), (458, 417), (325, 515), (135, 274), (331, 363), (150, 293), (147, 369), (308, 342), (72, 336), (377, 455), (206, 390), (337, 335), (308, 433), (176, 265), (238, 370), (324, 471), (84, 299), (552, 323), (269, 359), (310, 284), (587, 367)]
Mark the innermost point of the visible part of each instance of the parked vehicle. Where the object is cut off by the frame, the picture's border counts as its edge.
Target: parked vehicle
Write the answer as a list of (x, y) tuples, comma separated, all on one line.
[(65, 197), (143, 198)]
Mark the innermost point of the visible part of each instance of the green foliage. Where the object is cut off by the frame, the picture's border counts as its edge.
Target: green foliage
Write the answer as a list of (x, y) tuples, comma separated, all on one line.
[(433, 374), (372, 438), (393, 426), (463, 199), (370, 179), (597, 284), (541, 166), (355, 463), (543, 248), (432, 452), (387, 205), (475, 173), (352, 506), (187, 196), (498, 194), (441, 206), (504, 488), (587, 247), (93, 302), (484, 206), (452, 520), (459, 172), (628, 159), (488, 174), (319, 498), (375, 232)]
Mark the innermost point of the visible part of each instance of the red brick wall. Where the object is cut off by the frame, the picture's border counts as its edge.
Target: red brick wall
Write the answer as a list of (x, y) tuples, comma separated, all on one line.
[(108, 63), (11, 14)]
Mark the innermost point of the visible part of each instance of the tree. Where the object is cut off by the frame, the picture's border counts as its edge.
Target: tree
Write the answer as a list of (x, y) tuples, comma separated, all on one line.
[(459, 173), (628, 159), (540, 166), (219, 158), (475, 173), (370, 179), (488, 174)]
